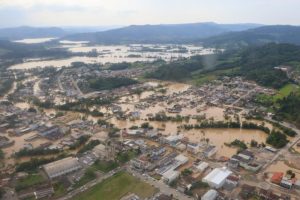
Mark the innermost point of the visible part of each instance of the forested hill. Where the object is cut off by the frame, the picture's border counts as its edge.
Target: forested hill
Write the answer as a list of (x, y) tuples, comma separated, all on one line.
[(256, 36), (176, 33), (255, 63), (22, 32), (13, 50)]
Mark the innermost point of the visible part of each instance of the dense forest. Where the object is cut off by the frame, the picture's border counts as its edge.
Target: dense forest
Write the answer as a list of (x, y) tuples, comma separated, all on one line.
[(255, 63), (256, 36), (13, 50), (288, 108), (110, 83), (163, 33), (182, 69)]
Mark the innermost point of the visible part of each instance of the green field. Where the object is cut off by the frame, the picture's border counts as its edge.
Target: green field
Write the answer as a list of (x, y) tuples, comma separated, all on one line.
[(269, 101), (104, 166), (116, 187), (285, 91), (30, 181)]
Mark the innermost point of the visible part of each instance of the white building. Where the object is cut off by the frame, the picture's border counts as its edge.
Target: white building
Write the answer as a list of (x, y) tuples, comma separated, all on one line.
[(193, 148), (182, 159), (210, 151), (104, 152), (217, 177), (210, 195), (202, 166), (173, 139), (170, 176), (61, 167)]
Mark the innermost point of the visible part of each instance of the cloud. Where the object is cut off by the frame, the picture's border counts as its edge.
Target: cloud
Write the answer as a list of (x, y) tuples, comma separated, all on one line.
[(125, 12)]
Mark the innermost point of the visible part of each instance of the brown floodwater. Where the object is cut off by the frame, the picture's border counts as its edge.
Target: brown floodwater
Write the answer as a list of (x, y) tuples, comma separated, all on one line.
[(218, 137), (280, 166), (19, 144)]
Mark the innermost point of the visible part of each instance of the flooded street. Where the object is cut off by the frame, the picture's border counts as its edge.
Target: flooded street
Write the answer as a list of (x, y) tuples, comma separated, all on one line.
[(218, 137)]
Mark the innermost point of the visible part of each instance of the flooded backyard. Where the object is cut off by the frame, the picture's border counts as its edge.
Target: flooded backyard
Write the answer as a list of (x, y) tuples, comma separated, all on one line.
[(281, 166)]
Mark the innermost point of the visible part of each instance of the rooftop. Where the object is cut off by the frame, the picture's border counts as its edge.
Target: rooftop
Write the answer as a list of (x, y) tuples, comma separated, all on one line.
[(217, 175)]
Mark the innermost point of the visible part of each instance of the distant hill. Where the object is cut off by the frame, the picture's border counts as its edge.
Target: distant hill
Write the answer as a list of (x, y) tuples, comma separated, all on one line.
[(160, 33), (14, 50), (23, 32), (256, 36)]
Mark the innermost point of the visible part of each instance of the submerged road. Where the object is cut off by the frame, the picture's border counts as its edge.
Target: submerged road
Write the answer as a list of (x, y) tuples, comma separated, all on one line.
[(284, 150)]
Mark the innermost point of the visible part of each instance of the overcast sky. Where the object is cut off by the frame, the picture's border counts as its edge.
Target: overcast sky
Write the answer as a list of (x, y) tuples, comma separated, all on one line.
[(127, 12)]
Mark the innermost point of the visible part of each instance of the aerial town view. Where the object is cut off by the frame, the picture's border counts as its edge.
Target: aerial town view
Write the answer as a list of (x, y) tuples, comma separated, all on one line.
[(115, 100)]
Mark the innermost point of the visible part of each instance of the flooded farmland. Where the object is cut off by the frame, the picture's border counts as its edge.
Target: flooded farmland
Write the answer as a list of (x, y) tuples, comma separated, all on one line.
[(117, 54)]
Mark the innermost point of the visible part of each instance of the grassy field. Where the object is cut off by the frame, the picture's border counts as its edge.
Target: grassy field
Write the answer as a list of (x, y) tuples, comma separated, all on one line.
[(104, 166), (116, 187), (268, 100), (285, 91), (31, 180)]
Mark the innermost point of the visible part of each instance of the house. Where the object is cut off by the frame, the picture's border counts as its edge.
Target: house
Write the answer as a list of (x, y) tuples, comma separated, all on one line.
[(202, 166), (287, 182), (217, 177), (193, 148), (247, 191), (164, 197), (43, 192), (268, 195), (210, 195), (173, 140), (234, 164), (231, 182), (181, 159), (151, 133), (277, 177), (210, 151), (157, 151), (140, 163), (297, 185), (246, 155), (134, 132), (104, 152), (271, 149), (254, 167), (135, 115)]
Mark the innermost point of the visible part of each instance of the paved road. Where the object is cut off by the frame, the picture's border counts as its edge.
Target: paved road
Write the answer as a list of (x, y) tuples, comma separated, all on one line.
[(79, 93), (164, 188)]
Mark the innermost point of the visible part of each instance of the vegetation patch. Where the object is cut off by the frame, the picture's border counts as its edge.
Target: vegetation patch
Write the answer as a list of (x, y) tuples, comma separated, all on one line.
[(118, 186), (277, 139), (104, 166), (30, 181), (110, 83)]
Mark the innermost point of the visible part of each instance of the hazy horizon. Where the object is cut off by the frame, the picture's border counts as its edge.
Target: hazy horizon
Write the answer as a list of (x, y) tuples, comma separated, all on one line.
[(93, 13)]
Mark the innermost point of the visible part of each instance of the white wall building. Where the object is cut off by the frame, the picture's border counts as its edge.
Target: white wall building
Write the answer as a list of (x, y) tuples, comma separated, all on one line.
[(217, 177), (210, 195), (61, 167), (170, 176), (201, 167)]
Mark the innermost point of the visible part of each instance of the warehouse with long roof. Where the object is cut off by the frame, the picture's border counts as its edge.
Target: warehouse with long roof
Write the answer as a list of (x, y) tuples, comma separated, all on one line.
[(61, 167)]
